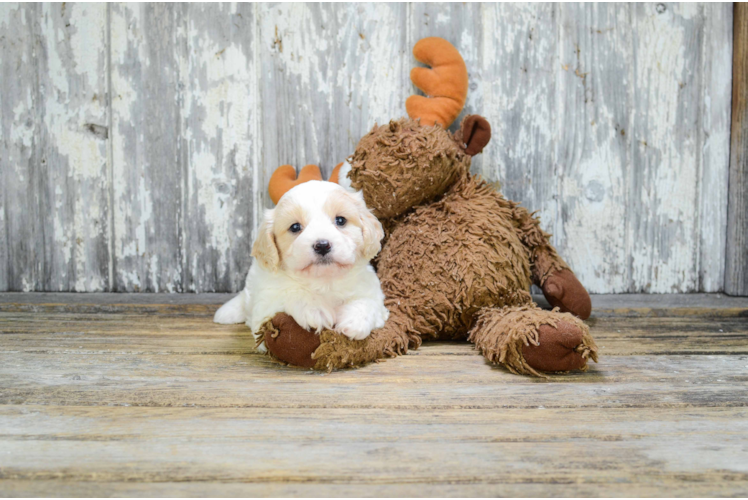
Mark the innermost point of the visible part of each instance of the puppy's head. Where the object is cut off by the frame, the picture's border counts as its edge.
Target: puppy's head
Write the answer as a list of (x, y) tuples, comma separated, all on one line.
[(318, 229)]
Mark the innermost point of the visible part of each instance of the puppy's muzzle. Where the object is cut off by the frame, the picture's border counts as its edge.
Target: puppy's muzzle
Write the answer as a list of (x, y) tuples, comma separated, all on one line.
[(322, 247)]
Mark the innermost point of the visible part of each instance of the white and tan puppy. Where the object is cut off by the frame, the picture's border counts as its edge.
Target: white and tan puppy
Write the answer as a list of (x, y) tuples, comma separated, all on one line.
[(311, 261)]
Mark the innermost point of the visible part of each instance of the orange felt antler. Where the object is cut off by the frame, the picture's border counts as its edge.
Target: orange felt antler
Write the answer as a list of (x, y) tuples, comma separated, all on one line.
[(335, 173), (284, 178), (445, 84)]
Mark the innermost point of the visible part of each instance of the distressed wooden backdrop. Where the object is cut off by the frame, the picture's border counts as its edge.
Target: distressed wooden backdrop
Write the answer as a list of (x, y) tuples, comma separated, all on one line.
[(137, 139)]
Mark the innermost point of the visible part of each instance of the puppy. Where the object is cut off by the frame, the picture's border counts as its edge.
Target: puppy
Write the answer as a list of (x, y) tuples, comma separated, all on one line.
[(311, 261)]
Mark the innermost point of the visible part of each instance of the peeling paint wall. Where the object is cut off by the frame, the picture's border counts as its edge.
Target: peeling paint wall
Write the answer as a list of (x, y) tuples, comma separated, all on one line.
[(137, 139)]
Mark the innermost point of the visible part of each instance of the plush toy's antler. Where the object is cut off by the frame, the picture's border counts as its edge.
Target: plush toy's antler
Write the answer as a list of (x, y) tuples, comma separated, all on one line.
[(284, 178), (445, 84)]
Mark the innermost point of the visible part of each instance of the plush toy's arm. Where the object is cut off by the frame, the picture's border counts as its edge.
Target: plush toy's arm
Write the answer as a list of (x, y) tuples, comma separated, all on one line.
[(544, 260), (549, 271)]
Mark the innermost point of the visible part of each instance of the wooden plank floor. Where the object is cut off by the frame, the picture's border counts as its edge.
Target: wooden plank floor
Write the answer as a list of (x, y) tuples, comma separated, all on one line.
[(142, 395)]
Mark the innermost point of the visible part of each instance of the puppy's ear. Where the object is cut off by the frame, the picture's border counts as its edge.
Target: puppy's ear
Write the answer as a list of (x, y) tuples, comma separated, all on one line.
[(370, 227), (265, 249)]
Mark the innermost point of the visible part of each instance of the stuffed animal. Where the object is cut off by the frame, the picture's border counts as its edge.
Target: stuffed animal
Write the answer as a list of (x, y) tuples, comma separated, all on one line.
[(458, 258)]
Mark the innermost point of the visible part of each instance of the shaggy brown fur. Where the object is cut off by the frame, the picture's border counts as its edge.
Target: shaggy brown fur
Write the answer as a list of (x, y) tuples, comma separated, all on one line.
[(448, 259)]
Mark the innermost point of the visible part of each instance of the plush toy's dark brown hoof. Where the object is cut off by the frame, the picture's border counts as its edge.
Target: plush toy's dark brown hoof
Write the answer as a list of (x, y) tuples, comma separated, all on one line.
[(563, 290), (290, 343), (561, 349)]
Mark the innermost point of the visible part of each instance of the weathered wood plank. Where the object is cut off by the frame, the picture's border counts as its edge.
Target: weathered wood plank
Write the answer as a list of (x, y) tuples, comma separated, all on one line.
[(329, 72), (663, 186), (736, 266), (20, 237), (147, 157), (489, 450), (519, 101), (714, 136), (221, 142), (73, 80), (190, 331), (693, 485), (56, 181), (592, 152), (417, 382)]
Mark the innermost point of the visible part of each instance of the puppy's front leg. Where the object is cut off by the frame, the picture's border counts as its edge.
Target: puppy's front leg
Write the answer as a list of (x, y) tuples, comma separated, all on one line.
[(356, 319)]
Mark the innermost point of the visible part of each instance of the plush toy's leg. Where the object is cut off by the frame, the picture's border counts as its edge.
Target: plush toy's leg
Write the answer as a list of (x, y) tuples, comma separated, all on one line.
[(338, 351), (286, 341), (560, 286), (529, 340)]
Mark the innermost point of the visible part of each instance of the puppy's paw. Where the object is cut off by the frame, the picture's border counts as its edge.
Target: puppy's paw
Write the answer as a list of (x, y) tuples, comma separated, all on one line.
[(314, 319), (354, 327)]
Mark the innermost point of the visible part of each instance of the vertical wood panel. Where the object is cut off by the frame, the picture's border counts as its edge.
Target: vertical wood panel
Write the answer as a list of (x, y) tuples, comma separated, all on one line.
[(519, 100), (716, 90), (10, 47), (736, 269), (73, 71), (221, 143), (55, 117), (329, 72), (663, 187), (147, 163), (592, 131), (21, 240)]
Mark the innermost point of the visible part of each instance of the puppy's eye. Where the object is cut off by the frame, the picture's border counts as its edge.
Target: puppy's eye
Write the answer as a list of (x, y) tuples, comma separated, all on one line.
[(295, 227), (340, 221)]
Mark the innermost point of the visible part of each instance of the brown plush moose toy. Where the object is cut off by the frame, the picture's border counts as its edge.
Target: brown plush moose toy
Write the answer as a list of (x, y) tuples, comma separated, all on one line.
[(458, 258)]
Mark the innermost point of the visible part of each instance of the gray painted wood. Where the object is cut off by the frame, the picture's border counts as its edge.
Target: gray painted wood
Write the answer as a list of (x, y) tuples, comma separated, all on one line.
[(519, 99), (592, 153), (147, 161), (329, 72), (663, 188), (20, 237), (221, 144), (55, 179), (611, 120), (736, 269), (714, 131)]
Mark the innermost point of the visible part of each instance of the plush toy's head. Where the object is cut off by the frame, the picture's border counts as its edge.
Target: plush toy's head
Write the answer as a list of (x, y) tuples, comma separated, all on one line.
[(411, 161)]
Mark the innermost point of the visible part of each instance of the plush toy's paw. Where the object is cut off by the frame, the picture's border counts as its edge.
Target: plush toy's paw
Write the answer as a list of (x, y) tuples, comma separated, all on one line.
[(563, 290), (560, 349), (291, 343)]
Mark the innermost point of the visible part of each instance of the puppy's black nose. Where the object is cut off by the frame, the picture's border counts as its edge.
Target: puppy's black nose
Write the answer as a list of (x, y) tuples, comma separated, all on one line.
[(322, 247)]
